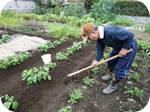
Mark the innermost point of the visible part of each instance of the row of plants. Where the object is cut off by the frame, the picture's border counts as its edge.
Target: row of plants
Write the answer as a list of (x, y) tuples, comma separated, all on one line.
[(75, 47), (48, 45), (35, 75), (14, 60), (47, 17)]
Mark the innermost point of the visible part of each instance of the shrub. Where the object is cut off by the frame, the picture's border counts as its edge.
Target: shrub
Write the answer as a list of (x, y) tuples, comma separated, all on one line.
[(8, 13), (133, 8), (105, 10), (74, 10)]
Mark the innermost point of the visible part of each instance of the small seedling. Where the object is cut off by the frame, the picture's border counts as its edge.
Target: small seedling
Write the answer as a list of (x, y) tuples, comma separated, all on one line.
[(137, 58), (134, 65), (44, 47), (75, 96), (61, 56), (136, 76), (65, 110), (10, 102), (95, 70), (134, 92), (88, 81)]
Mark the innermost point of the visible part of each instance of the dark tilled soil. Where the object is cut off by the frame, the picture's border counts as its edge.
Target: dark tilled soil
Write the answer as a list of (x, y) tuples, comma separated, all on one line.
[(51, 96)]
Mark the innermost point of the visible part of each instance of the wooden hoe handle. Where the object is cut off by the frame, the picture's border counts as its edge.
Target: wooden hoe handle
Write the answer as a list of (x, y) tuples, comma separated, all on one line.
[(74, 73)]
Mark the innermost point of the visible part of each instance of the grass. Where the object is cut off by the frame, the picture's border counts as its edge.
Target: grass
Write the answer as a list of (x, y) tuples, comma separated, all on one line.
[(61, 30), (123, 22), (10, 22)]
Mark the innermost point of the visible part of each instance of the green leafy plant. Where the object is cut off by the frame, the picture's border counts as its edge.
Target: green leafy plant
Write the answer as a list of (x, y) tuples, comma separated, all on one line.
[(145, 27), (57, 42), (5, 39), (75, 96), (134, 92), (128, 111), (65, 110), (75, 47), (105, 10), (61, 56), (123, 22), (35, 75), (134, 65), (10, 102), (136, 76), (109, 50), (8, 13), (74, 10), (58, 9), (14, 60), (105, 55), (88, 81), (95, 70), (46, 46), (137, 58), (145, 46)]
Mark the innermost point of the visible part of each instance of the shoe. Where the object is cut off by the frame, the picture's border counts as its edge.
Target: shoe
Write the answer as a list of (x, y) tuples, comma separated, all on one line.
[(108, 77), (112, 86)]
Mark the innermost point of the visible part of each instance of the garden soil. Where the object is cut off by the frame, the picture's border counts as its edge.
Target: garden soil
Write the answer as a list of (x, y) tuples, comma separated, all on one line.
[(53, 95)]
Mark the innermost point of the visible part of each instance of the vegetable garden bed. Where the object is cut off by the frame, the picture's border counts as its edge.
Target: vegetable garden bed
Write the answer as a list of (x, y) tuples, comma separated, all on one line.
[(53, 95)]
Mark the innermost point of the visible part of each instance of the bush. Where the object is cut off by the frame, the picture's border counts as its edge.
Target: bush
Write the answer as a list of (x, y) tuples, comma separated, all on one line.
[(133, 8), (40, 11), (58, 9), (74, 10), (104, 10), (8, 13), (29, 16)]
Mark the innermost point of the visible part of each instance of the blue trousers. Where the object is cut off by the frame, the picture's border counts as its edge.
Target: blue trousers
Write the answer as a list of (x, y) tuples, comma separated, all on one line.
[(121, 65)]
